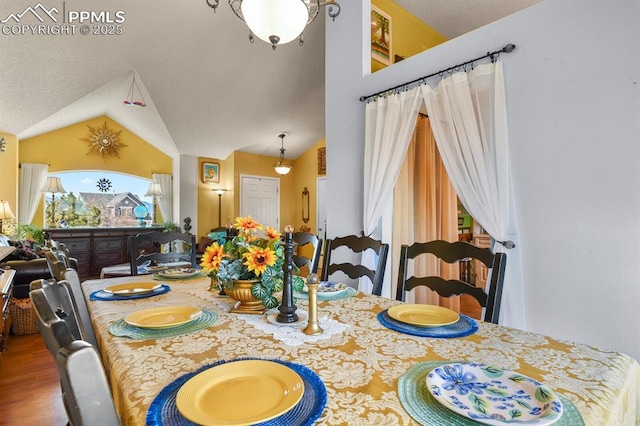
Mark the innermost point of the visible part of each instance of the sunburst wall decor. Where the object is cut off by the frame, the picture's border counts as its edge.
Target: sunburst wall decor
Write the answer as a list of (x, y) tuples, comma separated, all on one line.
[(104, 141)]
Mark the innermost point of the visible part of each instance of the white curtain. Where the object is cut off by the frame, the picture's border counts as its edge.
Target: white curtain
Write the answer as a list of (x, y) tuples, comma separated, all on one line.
[(468, 116), (32, 179), (165, 202), (390, 122), (469, 120)]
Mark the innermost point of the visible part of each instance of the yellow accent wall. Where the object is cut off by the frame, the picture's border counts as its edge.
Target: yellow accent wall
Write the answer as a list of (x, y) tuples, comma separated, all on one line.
[(9, 172), (64, 150), (409, 35), (304, 173)]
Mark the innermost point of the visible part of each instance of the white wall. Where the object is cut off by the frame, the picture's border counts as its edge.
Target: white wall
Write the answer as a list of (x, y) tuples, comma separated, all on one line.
[(573, 92), (189, 191)]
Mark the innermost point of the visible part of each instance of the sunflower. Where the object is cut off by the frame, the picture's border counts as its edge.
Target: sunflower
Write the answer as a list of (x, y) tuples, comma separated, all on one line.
[(257, 259), (272, 234), (247, 224), (212, 257)]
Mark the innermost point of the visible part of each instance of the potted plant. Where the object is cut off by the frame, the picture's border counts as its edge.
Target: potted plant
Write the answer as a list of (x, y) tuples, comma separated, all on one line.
[(249, 266)]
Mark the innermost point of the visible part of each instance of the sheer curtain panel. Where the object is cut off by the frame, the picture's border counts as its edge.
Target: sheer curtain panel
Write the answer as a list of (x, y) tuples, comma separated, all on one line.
[(32, 179), (390, 122), (468, 115), (165, 202)]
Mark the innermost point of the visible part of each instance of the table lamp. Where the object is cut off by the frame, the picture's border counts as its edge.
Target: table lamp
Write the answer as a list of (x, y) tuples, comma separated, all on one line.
[(54, 186), (154, 191), (5, 212)]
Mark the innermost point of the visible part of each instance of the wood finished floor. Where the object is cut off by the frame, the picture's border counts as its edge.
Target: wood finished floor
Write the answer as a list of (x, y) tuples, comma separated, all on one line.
[(29, 385)]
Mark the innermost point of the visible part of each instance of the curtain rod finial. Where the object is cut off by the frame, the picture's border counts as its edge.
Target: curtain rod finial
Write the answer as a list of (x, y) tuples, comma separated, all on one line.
[(509, 48)]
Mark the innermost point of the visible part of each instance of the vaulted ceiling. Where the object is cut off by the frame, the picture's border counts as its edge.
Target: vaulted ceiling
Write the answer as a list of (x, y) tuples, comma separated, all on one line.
[(208, 90)]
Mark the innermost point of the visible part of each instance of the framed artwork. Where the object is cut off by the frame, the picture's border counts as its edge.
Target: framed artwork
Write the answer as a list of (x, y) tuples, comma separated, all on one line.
[(381, 36), (210, 172), (322, 161)]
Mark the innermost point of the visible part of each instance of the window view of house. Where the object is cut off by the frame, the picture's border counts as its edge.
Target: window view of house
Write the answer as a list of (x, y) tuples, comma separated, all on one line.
[(99, 199)]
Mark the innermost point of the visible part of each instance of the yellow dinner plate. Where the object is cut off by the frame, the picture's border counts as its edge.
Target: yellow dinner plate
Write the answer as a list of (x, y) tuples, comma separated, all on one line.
[(164, 317), (132, 288), (423, 315), (240, 393), (178, 273)]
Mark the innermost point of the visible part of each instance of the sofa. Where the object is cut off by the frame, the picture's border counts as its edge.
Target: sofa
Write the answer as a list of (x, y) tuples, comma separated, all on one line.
[(28, 268)]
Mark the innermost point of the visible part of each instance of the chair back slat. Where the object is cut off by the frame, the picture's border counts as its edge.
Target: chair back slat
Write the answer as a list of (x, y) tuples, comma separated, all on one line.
[(357, 245), (55, 331), (59, 300)]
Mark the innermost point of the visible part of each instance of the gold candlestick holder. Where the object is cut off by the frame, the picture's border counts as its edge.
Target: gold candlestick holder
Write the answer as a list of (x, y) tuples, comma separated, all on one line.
[(313, 327)]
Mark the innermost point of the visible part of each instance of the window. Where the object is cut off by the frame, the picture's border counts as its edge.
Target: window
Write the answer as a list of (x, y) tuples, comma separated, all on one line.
[(99, 199)]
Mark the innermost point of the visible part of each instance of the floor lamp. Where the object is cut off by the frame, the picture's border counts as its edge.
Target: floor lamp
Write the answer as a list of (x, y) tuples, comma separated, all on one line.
[(5, 212), (154, 191), (219, 192), (54, 186)]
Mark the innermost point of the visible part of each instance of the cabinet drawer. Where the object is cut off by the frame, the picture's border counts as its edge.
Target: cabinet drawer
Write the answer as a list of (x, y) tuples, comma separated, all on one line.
[(76, 246), (109, 257), (109, 244)]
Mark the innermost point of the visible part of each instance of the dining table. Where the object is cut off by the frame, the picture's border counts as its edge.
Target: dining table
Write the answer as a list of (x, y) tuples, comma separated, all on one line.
[(366, 371)]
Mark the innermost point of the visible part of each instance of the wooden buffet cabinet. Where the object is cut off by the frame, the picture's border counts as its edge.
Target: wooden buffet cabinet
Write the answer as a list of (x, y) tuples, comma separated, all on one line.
[(95, 248)]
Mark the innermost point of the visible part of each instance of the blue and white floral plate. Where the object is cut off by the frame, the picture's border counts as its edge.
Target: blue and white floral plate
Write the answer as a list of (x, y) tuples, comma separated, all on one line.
[(493, 396)]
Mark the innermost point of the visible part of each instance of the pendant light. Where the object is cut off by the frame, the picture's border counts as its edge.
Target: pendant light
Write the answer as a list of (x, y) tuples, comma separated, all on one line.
[(282, 166), (278, 21)]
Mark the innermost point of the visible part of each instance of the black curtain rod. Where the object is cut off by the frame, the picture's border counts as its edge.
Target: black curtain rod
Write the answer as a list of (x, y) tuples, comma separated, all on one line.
[(493, 55)]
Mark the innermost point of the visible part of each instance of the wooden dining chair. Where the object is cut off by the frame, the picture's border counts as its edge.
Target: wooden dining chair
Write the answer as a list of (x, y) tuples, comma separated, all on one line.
[(303, 239), (72, 283), (356, 245), (147, 247), (85, 387), (454, 252)]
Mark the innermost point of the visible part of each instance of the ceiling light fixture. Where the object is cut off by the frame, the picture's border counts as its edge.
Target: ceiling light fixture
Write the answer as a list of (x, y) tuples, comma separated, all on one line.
[(282, 166), (131, 100), (278, 21)]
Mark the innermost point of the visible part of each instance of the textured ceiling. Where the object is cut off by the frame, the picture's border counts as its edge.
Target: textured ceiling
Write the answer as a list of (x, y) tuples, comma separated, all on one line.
[(452, 18), (208, 90)]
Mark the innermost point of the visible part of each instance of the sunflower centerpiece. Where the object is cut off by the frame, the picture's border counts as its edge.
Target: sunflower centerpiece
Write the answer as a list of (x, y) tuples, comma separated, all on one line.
[(256, 254)]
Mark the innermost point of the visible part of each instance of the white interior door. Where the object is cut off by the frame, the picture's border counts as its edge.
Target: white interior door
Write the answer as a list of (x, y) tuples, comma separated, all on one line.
[(260, 198), (321, 208)]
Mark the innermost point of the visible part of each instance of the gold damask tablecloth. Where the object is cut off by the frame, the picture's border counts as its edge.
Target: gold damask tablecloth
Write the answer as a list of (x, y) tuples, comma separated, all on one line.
[(359, 366)]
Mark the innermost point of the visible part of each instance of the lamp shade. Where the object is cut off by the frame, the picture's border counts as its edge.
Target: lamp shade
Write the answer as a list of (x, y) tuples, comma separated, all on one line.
[(5, 211), (154, 190), (282, 169), (53, 185), (284, 19)]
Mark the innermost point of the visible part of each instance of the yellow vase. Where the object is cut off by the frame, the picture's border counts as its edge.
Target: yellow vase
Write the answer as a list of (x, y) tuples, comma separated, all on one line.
[(247, 304)]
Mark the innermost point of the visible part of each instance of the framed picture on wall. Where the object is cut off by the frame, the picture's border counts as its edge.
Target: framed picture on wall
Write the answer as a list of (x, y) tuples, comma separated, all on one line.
[(380, 36), (322, 161), (210, 172)]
